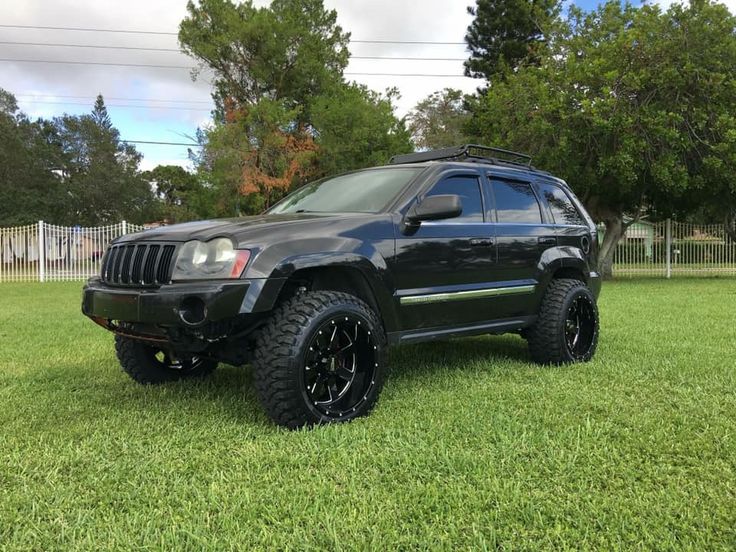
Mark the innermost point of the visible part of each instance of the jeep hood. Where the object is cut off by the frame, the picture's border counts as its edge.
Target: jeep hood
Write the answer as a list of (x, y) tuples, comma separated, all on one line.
[(273, 226)]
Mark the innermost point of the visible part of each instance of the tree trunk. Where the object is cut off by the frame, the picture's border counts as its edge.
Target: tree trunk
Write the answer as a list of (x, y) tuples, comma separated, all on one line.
[(615, 230), (730, 224)]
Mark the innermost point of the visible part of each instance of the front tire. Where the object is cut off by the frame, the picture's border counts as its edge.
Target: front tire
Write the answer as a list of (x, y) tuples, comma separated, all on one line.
[(319, 359), (148, 364), (567, 327)]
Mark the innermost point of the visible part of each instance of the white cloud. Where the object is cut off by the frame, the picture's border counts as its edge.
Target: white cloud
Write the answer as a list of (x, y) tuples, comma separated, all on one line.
[(407, 20), (44, 89)]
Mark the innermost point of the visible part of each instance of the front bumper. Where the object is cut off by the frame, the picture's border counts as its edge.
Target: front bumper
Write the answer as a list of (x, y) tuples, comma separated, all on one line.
[(166, 305)]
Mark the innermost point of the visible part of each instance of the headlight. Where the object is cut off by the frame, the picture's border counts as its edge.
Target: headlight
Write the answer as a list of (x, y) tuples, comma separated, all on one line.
[(213, 260)]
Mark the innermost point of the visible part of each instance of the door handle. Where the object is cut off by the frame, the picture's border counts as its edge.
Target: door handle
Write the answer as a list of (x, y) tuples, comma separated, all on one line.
[(547, 240), (481, 242)]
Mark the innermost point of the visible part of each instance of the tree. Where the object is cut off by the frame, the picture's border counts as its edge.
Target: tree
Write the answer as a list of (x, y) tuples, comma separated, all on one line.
[(506, 33), (72, 170), (283, 110), (439, 120), (180, 195), (100, 116), (30, 155), (634, 107), (355, 128), (291, 51), (100, 171), (257, 153), (269, 63)]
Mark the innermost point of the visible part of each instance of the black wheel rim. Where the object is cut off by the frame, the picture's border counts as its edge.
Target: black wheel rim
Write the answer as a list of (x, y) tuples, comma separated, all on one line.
[(340, 366), (166, 361), (580, 327)]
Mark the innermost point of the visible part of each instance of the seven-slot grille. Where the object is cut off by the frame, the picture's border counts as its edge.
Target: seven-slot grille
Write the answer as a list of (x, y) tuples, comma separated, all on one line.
[(138, 264)]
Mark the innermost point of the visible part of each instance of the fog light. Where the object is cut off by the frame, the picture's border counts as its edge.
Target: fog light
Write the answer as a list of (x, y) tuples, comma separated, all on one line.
[(192, 311)]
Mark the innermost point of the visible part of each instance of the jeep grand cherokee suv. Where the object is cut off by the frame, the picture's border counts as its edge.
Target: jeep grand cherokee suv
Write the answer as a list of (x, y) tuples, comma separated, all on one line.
[(454, 242)]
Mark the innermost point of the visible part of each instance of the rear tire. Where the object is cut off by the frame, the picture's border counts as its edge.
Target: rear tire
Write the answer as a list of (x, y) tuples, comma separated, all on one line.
[(319, 359), (148, 364), (567, 327)]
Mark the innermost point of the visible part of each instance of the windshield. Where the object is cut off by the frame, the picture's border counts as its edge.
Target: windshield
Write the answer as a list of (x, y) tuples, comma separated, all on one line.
[(360, 192)]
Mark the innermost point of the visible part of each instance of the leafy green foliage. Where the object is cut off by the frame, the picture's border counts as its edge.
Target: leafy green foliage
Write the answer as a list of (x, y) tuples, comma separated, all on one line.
[(471, 447), (218, 168), (31, 186), (180, 195), (356, 128), (632, 106), (439, 120), (255, 156), (292, 50), (507, 33)]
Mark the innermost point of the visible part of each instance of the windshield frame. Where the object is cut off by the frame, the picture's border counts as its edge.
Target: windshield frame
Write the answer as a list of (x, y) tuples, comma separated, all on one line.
[(385, 209)]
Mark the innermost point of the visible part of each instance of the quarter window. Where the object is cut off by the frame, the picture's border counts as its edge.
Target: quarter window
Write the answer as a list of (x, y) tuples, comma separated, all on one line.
[(516, 202), (563, 210), (468, 188)]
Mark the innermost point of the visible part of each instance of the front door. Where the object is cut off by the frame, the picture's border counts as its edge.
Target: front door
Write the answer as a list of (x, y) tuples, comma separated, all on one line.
[(441, 265)]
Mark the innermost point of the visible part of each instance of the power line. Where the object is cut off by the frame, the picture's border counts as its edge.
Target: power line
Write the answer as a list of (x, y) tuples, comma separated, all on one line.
[(176, 108), (86, 29), (408, 58), (425, 42), (403, 75), (96, 63), (187, 67), (162, 143), (92, 98), (136, 48), (96, 46), (135, 31)]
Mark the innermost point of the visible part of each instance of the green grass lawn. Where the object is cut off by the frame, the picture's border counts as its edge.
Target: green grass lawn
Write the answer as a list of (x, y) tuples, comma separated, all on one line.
[(471, 446)]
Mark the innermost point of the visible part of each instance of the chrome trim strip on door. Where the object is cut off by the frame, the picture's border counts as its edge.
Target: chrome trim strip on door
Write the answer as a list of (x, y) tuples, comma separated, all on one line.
[(464, 295)]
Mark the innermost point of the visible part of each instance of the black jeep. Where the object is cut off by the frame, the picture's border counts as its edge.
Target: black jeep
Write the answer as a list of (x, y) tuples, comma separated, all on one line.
[(455, 242)]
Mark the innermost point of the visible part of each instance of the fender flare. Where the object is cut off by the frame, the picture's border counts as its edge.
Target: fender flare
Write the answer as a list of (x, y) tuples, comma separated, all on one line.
[(558, 258), (263, 293)]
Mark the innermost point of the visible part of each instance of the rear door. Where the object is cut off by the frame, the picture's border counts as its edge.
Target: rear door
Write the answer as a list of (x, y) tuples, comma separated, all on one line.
[(571, 228), (523, 235)]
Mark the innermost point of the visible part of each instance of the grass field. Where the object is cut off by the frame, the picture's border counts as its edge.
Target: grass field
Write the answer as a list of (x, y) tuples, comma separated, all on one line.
[(471, 446)]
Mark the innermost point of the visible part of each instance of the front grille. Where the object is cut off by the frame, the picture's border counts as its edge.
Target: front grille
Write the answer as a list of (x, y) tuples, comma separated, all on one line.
[(138, 264)]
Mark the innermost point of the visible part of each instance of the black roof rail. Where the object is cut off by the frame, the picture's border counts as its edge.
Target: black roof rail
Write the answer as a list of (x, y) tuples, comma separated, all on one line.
[(471, 152)]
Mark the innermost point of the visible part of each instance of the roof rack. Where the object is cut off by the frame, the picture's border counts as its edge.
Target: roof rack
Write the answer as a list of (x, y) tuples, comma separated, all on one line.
[(471, 152)]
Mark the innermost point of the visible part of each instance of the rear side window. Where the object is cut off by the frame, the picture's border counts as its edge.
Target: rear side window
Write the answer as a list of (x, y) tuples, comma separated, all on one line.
[(468, 188), (563, 210), (516, 202)]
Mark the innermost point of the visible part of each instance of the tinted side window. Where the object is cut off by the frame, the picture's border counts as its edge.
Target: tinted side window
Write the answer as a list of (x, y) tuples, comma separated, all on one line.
[(516, 202), (468, 188), (563, 211)]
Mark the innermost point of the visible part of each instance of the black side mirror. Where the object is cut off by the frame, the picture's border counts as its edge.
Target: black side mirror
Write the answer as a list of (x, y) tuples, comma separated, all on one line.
[(435, 208)]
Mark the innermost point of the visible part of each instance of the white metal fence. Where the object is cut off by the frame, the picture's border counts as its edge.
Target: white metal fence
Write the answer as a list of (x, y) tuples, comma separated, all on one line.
[(670, 248), (43, 252)]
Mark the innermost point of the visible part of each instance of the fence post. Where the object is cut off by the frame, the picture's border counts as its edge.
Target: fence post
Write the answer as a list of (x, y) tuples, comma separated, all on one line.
[(41, 253), (125, 227), (668, 245)]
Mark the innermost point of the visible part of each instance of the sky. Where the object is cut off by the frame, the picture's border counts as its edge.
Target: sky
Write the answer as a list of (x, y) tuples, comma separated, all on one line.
[(164, 104)]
